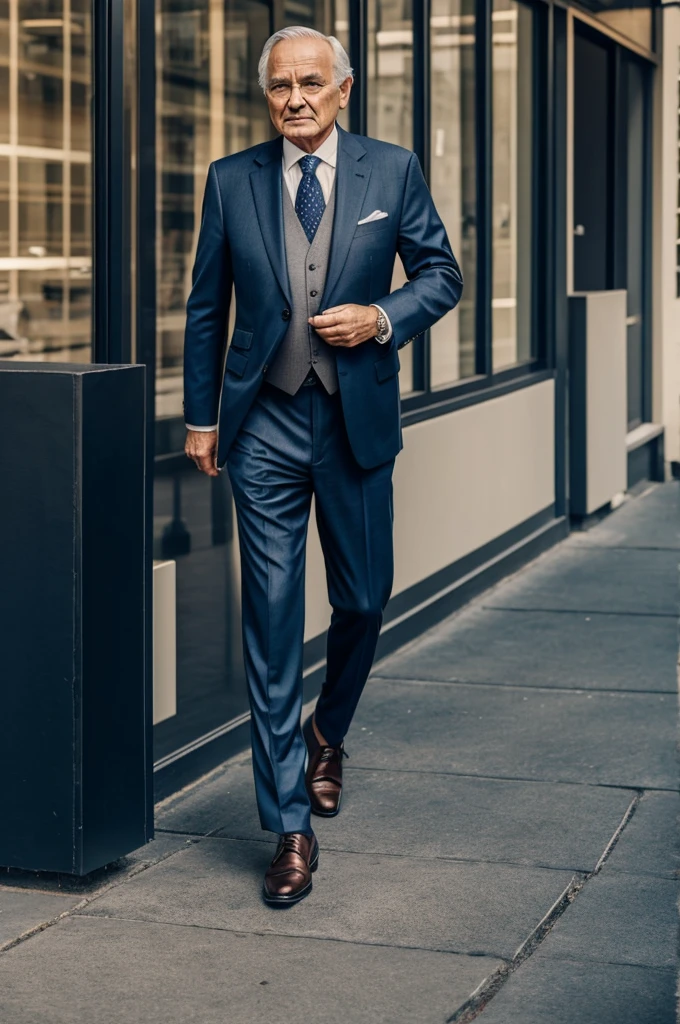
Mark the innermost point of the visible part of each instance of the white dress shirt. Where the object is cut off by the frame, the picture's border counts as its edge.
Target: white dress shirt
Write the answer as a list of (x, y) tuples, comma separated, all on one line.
[(325, 172)]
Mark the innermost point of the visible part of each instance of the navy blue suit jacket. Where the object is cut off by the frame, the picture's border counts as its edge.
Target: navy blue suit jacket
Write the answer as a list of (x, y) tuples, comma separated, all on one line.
[(241, 242)]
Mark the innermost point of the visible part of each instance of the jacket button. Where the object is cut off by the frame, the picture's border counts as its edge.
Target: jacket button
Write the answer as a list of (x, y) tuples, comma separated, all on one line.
[(285, 315)]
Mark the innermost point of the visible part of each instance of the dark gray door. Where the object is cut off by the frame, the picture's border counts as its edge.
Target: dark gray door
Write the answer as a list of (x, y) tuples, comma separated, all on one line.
[(592, 164), (611, 191)]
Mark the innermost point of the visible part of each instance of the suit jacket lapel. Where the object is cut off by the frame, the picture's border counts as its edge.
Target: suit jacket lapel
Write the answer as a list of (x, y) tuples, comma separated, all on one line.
[(352, 175), (266, 182)]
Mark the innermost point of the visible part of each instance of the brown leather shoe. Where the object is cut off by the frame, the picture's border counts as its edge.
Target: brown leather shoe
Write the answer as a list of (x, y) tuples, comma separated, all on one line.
[(323, 777), (288, 879)]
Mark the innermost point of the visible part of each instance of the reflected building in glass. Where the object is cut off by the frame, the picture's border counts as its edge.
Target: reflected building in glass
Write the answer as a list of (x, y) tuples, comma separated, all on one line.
[(45, 180)]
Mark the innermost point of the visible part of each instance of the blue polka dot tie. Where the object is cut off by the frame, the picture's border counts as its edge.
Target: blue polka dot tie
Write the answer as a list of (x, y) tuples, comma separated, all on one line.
[(309, 202)]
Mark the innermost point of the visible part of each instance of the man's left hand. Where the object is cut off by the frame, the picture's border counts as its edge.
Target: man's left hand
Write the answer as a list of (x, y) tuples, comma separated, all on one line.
[(347, 325)]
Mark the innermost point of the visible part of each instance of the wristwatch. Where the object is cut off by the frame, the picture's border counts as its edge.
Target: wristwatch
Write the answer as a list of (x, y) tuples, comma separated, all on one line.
[(382, 324)]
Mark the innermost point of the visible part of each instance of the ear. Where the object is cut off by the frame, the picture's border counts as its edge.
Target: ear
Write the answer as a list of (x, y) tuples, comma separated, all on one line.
[(345, 89)]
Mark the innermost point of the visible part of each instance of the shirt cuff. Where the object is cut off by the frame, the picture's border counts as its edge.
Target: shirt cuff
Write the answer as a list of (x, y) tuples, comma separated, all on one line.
[(388, 336), (201, 429)]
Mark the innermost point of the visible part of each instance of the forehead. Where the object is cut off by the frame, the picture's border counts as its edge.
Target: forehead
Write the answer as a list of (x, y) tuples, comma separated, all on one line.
[(301, 57)]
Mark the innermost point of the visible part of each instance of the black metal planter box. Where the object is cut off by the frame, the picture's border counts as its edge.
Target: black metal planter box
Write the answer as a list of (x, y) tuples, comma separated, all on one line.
[(73, 721)]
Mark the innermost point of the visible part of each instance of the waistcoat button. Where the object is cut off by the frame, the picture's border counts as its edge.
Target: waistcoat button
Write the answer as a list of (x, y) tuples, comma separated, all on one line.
[(312, 266), (313, 292)]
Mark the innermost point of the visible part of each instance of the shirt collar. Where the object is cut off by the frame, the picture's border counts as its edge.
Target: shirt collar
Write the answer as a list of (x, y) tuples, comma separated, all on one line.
[(327, 151)]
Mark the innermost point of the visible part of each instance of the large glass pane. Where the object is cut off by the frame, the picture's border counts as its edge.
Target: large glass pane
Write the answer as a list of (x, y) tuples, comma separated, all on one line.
[(452, 177), (45, 179), (513, 183), (390, 102), (209, 104)]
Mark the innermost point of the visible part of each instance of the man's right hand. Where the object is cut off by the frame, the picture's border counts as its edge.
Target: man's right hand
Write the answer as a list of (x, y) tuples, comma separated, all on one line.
[(201, 447)]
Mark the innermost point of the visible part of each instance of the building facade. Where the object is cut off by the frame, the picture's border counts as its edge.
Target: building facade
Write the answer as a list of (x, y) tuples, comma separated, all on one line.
[(548, 133)]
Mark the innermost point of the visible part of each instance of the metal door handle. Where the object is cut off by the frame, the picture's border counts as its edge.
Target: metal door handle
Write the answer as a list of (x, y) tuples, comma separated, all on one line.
[(631, 321), (579, 230)]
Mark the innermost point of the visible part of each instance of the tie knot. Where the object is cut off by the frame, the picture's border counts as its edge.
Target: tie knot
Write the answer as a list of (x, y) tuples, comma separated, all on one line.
[(309, 164)]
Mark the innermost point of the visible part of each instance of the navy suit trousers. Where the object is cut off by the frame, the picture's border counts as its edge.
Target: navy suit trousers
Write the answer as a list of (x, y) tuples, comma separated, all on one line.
[(288, 449)]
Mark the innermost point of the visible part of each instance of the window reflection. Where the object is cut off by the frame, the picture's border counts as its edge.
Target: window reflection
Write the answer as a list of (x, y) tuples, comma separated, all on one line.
[(512, 182), (45, 180), (209, 105), (452, 177), (390, 103)]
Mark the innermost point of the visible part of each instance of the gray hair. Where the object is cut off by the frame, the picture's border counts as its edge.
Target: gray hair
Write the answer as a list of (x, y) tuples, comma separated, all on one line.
[(342, 68)]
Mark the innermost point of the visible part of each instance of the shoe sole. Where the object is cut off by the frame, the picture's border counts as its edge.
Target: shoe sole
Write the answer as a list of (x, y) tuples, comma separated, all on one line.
[(289, 901)]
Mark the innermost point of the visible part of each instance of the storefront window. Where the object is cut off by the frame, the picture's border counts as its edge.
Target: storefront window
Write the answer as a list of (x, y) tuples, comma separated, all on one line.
[(390, 102), (513, 182), (45, 180), (452, 176)]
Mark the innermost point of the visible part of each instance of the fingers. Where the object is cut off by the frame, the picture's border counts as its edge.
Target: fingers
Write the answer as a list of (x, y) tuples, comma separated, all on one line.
[(337, 325), (206, 464), (331, 317), (201, 448)]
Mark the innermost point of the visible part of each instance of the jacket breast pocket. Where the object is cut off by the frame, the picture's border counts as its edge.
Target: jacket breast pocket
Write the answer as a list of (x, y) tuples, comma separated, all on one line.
[(372, 228), (241, 339)]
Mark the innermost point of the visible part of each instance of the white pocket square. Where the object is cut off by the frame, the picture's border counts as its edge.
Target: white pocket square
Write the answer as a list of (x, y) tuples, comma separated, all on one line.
[(376, 215)]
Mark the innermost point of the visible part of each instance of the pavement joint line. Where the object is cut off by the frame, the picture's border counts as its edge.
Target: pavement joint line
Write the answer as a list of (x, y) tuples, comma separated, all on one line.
[(516, 686), (581, 611), (480, 998), (85, 902), (404, 856), (631, 787), (472, 955), (607, 852)]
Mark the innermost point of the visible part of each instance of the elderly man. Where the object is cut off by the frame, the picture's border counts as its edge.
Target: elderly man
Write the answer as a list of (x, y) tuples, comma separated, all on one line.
[(307, 228)]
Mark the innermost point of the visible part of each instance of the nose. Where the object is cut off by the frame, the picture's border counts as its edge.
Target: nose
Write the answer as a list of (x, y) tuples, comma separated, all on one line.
[(296, 99)]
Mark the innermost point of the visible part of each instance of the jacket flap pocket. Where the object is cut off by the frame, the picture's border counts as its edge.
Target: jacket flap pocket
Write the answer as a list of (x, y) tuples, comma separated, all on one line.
[(236, 363), (387, 367), (242, 339)]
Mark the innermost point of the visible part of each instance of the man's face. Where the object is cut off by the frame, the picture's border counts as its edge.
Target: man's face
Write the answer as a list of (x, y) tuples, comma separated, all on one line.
[(302, 95)]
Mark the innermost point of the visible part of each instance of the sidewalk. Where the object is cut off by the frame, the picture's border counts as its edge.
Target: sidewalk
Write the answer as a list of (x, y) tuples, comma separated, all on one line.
[(506, 850)]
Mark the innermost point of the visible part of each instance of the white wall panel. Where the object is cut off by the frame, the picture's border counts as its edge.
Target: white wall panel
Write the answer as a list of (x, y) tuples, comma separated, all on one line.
[(461, 481)]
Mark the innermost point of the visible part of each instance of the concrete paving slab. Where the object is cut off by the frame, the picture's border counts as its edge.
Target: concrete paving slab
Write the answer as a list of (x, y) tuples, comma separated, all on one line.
[(619, 918), (20, 911), (398, 901), (225, 795), (428, 815), (649, 844), (650, 521), (618, 739), (109, 972), (604, 652), (595, 579), (543, 991)]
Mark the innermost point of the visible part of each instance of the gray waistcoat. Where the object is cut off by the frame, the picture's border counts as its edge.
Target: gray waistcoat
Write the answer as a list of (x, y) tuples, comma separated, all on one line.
[(302, 348)]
